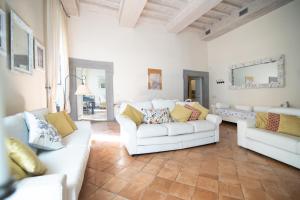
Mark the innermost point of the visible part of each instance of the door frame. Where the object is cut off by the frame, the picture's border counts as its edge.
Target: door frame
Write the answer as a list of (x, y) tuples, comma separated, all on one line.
[(205, 84), (90, 64)]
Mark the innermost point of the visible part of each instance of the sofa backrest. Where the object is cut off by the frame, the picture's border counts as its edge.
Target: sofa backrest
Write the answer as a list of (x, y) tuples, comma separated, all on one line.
[(15, 125), (287, 111), (161, 103)]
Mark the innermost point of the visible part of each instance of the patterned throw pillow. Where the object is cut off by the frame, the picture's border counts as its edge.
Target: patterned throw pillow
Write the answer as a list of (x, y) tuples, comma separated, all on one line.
[(41, 134), (195, 113), (273, 122), (156, 116)]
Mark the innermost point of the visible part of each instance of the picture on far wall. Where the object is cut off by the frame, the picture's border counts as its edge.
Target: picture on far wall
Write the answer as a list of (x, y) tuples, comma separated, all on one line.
[(39, 55), (154, 79), (2, 33)]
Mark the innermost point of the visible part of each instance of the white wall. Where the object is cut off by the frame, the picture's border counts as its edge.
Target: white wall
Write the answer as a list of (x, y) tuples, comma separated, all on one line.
[(273, 34), (99, 37), (23, 91)]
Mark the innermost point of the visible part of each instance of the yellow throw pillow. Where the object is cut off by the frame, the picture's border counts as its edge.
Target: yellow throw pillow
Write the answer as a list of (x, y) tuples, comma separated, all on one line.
[(133, 114), (24, 157), (16, 171), (261, 120), (71, 122), (204, 111), (289, 124), (181, 113), (60, 122)]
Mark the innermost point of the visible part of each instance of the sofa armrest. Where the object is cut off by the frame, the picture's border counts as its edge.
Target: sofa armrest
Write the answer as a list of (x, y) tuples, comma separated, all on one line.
[(47, 187), (242, 126), (214, 119), (128, 131)]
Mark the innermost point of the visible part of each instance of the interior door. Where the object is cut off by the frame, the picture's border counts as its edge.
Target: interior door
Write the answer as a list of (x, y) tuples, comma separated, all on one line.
[(198, 90)]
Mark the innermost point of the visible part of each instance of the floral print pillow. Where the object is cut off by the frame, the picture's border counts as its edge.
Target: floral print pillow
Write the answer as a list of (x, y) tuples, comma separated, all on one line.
[(156, 116), (41, 134)]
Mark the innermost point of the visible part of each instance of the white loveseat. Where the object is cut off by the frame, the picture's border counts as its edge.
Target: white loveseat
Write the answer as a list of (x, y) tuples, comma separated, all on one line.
[(65, 167), (148, 138), (281, 147)]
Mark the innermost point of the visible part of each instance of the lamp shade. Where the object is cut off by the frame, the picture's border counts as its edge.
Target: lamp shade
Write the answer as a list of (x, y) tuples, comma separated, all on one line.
[(83, 90)]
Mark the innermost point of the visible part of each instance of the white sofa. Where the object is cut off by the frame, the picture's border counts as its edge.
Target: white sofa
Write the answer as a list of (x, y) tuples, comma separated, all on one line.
[(65, 167), (148, 138), (281, 147), (234, 113)]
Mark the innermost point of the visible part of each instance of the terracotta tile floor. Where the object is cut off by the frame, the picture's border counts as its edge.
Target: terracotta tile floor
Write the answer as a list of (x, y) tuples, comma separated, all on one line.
[(216, 171)]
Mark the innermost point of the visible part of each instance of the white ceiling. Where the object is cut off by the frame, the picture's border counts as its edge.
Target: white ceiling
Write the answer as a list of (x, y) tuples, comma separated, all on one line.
[(210, 18)]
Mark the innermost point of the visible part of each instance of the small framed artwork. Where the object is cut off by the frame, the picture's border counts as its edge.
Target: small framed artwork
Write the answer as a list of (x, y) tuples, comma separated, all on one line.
[(2, 33), (39, 55), (154, 79)]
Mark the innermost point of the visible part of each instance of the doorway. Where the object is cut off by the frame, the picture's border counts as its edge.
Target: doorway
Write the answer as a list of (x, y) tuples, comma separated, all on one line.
[(98, 77), (196, 86)]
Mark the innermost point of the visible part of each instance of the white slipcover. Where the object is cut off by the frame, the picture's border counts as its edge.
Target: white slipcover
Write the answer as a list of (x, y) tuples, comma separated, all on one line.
[(151, 130), (282, 147), (65, 167), (178, 128)]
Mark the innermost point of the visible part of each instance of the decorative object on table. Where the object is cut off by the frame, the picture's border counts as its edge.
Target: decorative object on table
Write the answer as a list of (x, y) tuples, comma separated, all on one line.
[(262, 73), (285, 104), (21, 45), (154, 79), (2, 33), (41, 134), (39, 55)]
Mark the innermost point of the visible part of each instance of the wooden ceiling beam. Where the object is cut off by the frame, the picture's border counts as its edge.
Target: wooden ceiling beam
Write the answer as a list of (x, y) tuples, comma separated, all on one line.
[(252, 11), (233, 5), (219, 12), (130, 12), (193, 11)]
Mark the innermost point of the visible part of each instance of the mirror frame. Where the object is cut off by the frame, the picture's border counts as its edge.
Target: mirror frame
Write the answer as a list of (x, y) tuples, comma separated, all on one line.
[(3, 33), (15, 18), (280, 66)]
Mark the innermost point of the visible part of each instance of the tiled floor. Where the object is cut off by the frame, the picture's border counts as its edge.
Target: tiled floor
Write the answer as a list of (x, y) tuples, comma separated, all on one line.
[(217, 171)]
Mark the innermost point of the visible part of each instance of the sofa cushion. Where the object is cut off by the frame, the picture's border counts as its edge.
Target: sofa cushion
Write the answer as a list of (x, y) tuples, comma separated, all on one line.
[(289, 124), (174, 139), (151, 130), (181, 113), (202, 125), (160, 103), (282, 141), (133, 114), (80, 137), (178, 128), (70, 161), (204, 111)]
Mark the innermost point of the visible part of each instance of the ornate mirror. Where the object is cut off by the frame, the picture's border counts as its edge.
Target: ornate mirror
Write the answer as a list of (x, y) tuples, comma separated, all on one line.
[(263, 73), (21, 44)]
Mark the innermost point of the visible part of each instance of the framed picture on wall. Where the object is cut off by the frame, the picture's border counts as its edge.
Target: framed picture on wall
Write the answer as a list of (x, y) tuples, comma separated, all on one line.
[(39, 55), (2, 33), (154, 79)]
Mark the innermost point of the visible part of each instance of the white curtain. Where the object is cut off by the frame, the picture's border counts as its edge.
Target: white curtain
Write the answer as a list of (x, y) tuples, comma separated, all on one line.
[(65, 61), (53, 57), (57, 56)]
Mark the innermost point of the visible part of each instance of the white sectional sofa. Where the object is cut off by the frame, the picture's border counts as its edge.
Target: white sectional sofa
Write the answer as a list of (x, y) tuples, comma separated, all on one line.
[(65, 167), (148, 138), (281, 147)]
